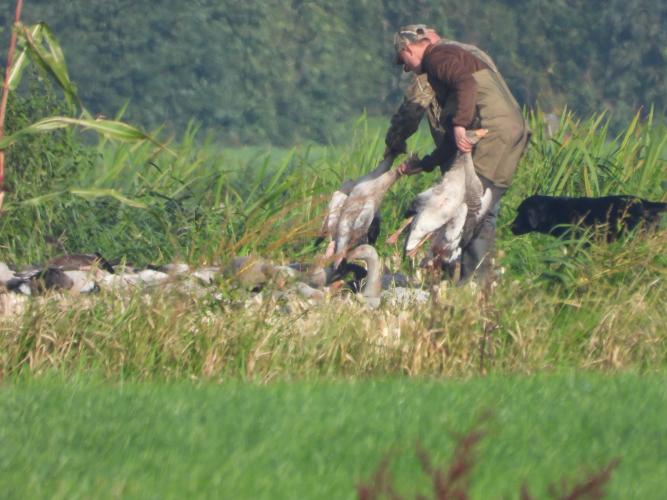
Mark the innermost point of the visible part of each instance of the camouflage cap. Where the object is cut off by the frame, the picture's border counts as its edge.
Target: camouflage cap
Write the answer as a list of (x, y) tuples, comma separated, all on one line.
[(409, 34)]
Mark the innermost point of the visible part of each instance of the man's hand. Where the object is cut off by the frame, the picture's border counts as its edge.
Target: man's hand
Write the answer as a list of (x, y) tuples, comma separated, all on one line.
[(409, 167), (462, 142)]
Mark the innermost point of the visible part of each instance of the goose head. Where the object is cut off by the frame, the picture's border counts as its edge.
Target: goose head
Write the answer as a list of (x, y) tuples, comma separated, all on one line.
[(250, 271), (474, 136)]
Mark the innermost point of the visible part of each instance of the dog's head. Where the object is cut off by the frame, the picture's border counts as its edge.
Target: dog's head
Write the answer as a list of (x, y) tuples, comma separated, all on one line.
[(532, 215)]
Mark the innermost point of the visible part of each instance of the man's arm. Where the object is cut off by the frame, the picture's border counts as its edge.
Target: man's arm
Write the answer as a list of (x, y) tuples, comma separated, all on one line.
[(440, 156), (405, 121), (453, 67)]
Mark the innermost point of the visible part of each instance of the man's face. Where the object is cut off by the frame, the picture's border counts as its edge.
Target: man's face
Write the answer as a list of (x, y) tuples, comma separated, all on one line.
[(412, 58)]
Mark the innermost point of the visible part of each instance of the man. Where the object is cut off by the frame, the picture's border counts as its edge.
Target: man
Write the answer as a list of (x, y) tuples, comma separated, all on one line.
[(459, 87)]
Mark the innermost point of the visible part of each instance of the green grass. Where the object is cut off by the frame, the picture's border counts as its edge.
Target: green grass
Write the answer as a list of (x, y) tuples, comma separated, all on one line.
[(559, 303), (600, 310), (318, 440), (561, 306), (209, 202)]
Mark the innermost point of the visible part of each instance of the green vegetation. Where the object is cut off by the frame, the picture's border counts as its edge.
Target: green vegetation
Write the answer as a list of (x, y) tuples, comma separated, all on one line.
[(229, 394), (558, 303), (319, 440), (279, 71)]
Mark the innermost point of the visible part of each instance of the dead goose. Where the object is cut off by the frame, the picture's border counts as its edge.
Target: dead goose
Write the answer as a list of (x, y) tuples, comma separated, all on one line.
[(81, 261), (373, 287), (361, 207), (319, 276), (6, 274), (53, 278), (333, 214), (330, 226), (449, 240), (441, 211), (250, 271), (254, 272), (135, 278), (77, 273), (378, 284)]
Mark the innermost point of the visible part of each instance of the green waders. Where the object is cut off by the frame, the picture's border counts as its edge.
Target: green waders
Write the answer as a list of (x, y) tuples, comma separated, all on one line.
[(496, 158)]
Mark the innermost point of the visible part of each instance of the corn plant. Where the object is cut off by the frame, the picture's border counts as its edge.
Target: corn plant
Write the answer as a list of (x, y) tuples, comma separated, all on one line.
[(40, 46)]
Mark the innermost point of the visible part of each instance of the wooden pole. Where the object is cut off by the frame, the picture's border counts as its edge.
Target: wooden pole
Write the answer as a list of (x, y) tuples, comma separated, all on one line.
[(5, 94)]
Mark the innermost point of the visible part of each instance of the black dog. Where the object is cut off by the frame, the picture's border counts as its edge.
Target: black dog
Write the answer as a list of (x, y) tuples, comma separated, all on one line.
[(552, 214)]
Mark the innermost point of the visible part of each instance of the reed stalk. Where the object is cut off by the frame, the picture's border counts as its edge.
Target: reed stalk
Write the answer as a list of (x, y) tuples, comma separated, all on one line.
[(5, 95)]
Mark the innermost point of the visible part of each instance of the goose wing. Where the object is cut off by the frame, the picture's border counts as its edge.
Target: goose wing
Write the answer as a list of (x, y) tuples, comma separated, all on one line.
[(333, 213), (334, 208), (446, 241), (361, 207), (436, 206), (355, 220)]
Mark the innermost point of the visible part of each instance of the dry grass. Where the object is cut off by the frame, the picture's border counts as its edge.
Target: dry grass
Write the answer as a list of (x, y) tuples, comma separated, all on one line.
[(608, 319), (558, 303)]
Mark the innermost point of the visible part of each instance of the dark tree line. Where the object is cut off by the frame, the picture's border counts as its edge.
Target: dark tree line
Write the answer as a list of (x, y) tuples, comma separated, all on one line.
[(277, 71)]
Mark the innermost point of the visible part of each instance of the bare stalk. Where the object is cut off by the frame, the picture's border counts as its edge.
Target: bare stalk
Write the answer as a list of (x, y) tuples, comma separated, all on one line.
[(5, 94)]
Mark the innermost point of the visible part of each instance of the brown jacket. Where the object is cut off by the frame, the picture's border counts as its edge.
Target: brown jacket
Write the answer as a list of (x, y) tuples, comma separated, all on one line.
[(466, 89), (449, 70), (419, 100)]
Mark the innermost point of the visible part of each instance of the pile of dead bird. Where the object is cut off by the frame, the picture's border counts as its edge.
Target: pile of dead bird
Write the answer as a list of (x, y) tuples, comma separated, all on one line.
[(90, 273), (446, 214)]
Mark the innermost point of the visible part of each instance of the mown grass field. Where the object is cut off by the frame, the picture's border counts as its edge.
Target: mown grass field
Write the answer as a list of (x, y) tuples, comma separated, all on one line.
[(82, 439)]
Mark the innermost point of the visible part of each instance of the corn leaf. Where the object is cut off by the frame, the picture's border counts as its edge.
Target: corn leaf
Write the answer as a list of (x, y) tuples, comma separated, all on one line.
[(47, 53), (39, 200), (21, 61), (88, 194), (107, 128), (100, 193)]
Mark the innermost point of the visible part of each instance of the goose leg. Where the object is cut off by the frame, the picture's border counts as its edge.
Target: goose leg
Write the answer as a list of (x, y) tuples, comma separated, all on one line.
[(394, 237), (331, 249), (413, 252)]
